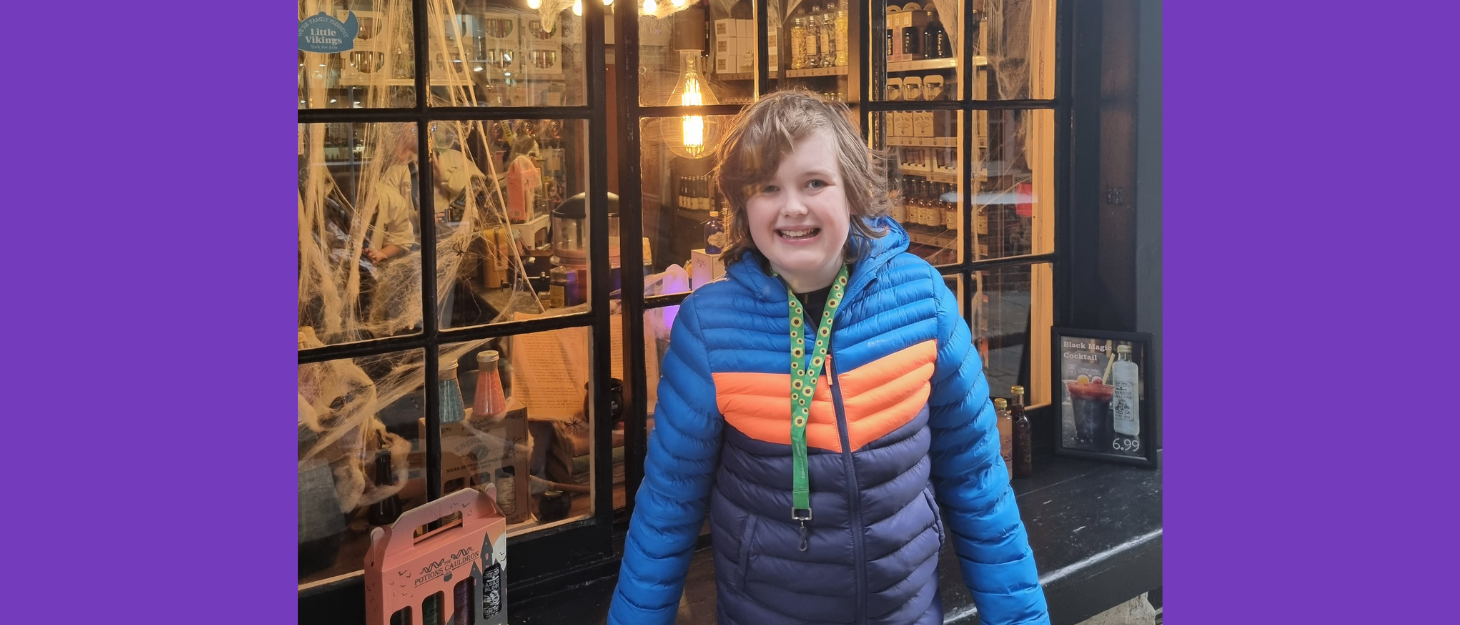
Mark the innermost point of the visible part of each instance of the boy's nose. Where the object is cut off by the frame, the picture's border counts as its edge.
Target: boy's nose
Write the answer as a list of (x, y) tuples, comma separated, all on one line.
[(793, 206)]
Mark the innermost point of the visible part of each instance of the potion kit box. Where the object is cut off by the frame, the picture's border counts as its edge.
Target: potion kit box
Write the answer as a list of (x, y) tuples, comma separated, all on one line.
[(444, 563)]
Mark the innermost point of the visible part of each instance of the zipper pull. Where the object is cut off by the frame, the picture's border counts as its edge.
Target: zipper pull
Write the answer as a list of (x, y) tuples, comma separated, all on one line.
[(830, 373)]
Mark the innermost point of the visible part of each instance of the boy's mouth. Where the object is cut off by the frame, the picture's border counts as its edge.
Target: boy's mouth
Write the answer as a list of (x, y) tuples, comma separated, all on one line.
[(798, 234)]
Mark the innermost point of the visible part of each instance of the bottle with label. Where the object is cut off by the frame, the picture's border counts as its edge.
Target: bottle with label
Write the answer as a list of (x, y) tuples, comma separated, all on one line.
[(813, 38), (935, 37), (489, 402), (912, 40), (558, 287), (1023, 435), (798, 42), (841, 33), (506, 479), (714, 234), (452, 408), (385, 511), (1006, 434), (828, 36), (1125, 403)]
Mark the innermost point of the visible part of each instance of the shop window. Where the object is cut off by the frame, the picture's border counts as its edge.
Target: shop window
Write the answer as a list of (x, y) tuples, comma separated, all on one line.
[(378, 68), (506, 53)]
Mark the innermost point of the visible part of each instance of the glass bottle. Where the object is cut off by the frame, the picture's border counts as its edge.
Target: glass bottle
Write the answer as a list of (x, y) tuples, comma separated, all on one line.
[(1023, 435), (490, 402), (506, 478), (714, 234), (1006, 434), (813, 38), (1125, 404), (452, 409), (798, 42), (912, 41), (385, 511), (828, 36), (841, 33), (935, 37)]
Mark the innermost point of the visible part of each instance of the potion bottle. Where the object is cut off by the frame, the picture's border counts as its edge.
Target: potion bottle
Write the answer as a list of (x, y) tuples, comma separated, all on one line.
[(490, 402)]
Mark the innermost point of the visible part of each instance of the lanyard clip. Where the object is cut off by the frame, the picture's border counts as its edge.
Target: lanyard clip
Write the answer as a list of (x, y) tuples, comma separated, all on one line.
[(796, 514)]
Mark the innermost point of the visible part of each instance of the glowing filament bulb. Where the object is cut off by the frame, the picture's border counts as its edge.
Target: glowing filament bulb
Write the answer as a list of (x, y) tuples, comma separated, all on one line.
[(694, 125), (578, 7), (650, 6), (678, 3), (607, 3), (534, 4)]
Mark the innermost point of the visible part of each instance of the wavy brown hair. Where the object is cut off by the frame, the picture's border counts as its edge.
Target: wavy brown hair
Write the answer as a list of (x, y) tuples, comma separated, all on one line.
[(765, 132)]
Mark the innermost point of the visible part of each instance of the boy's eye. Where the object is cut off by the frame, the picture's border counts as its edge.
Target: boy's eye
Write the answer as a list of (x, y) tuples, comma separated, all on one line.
[(770, 188), (816, 184)]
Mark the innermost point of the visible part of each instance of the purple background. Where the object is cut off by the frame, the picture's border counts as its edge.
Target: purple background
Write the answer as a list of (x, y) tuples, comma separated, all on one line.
[(1309, 237)]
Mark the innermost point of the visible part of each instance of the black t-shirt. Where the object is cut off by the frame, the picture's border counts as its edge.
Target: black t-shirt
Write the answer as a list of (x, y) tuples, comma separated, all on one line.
[(814, 304)]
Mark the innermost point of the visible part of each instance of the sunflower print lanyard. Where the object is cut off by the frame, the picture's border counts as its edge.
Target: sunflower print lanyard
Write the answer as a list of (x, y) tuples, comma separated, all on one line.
[(803, 388)]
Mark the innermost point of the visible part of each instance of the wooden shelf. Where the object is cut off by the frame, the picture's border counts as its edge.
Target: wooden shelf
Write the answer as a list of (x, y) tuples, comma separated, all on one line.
[(816, 71), (922, 66), (923, 142), (739, 76)]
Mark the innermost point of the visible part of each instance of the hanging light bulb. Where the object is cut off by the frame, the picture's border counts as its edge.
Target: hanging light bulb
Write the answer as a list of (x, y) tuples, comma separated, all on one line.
[(650, 7), (608, 3), (678, 3), (695, 134), (578, 7), (534, 4)]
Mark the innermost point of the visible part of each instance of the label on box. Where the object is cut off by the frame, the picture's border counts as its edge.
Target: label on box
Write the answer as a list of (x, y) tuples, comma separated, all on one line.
[(726, 29), (923, 124)]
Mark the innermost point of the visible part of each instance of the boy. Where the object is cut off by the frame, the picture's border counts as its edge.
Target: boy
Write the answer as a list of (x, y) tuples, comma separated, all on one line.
[(825, 401)]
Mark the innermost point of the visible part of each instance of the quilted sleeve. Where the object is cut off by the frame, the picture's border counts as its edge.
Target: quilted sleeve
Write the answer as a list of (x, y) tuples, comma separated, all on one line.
[(971, 483), (672, 500)]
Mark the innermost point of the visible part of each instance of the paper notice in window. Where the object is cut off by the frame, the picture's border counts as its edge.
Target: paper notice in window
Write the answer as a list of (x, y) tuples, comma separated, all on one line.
[(550, 369)]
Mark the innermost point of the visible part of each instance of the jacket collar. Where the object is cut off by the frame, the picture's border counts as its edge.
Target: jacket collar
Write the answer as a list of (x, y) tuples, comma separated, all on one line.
[(874, 253)]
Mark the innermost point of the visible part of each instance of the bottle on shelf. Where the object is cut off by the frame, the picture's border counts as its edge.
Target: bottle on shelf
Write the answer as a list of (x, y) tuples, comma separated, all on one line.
[(714, 234), (798, 40), (1006, 434), (912, 40), (1126, 376), (813, 38), (935, 37), (1023, 435), (489, 402), (841, 33), (828, 36), (387, 510)]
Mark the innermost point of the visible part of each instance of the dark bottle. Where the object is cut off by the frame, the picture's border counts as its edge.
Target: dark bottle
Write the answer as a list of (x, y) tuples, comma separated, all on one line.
[(935, 37), (385, 511), (912, 42), (1023, 436)]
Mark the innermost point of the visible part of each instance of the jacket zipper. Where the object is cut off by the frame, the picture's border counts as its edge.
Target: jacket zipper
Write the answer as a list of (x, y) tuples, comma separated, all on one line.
[(854, 495)]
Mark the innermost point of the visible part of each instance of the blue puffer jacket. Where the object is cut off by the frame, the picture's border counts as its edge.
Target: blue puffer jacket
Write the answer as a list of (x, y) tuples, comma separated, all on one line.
[(904, 428)]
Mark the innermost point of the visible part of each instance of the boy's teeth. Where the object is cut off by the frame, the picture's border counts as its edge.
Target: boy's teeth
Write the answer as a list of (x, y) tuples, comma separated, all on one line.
[(798, 233)]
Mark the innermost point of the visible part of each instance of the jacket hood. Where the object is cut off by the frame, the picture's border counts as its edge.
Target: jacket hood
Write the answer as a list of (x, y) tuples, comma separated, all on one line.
[(873, 254)]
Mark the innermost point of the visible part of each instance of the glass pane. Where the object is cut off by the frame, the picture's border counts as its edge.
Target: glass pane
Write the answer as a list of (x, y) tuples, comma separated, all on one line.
[(362, 456), (359, 252), (1013, 309), (503, 53), (925, 148), (658, 322), (1014, 181), (920, 47), (677, 198), (815, 43), (1014, 50), (691, 55), (511, 219), (356, 54), (522, 425)]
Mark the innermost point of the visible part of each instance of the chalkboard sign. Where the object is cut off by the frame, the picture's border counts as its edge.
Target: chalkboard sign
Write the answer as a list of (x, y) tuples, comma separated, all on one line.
[(1106, 395)]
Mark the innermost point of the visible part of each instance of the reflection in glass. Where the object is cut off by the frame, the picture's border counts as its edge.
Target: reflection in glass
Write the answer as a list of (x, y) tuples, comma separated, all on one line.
[(676, 199), (359, 249), (815, 44), (361, 455), (1014, 183), (1013, 310), (924, 171), (719, 37), (498, 53), (378, 71)]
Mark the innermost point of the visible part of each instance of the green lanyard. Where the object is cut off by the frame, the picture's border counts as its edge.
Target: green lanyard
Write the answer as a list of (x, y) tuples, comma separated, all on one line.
[(803, 388)]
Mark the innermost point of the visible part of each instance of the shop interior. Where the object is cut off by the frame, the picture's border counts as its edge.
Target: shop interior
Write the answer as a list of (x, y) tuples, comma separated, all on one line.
[(555, 204)]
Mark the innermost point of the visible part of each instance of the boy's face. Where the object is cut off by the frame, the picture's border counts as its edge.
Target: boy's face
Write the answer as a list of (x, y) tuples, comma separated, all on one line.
[(799, 219)]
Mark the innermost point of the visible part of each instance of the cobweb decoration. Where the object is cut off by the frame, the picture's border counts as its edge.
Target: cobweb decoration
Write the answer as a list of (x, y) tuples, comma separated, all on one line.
[(343, 296)]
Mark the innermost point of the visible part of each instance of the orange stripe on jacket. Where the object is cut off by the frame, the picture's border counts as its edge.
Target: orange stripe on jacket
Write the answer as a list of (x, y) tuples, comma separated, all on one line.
[(879, 397)]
